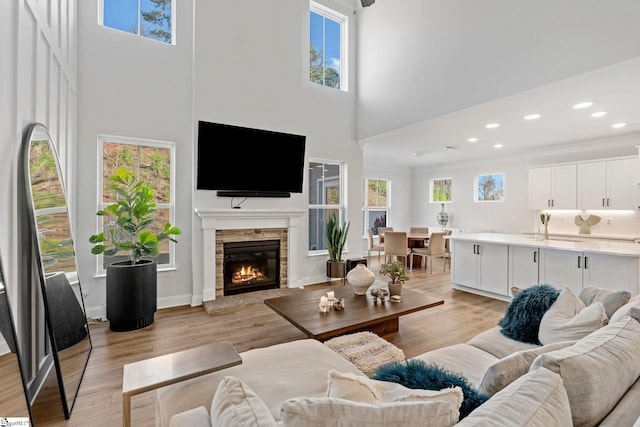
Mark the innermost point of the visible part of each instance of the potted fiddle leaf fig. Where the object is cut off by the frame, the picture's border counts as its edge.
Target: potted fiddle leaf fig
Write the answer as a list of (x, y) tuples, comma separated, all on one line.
[(335, 239), (397, 273), (132, 283)]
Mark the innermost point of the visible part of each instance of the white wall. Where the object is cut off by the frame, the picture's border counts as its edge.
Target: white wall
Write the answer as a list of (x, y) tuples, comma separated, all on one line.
[(513, 215), (251, 70), (410, 204), (246, 67), (38, 83), (140, 88)]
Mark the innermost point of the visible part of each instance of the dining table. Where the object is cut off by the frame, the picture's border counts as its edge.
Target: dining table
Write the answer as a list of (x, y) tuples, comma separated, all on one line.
[(417, 240)]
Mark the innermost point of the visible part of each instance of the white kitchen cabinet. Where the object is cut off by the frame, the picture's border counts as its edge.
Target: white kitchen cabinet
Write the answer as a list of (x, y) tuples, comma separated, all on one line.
[(553, 187), (582, 269), (559, 268), (523, 266), (609, 184), (483, 266)]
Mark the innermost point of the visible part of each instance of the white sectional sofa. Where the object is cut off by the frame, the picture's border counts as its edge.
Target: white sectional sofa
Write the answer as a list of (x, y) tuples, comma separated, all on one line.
[(590, 381)]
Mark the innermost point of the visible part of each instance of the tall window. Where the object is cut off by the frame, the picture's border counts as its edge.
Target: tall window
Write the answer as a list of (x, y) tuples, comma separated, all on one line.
[(375, 208), (327, 47), (151, 161), (325, 198), (153, 19)]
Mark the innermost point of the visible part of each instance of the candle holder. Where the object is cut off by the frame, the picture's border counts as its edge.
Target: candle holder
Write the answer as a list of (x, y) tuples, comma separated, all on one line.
[(339, 304), (324, 308)]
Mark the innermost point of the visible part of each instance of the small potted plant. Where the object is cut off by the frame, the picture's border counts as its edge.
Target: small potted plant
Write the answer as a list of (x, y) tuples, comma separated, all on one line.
[(396, 272), (335, 239), (131, 284)]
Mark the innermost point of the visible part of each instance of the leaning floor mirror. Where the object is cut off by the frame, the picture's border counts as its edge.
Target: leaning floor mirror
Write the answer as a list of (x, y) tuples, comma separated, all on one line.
[(52, 238), (14, 405)]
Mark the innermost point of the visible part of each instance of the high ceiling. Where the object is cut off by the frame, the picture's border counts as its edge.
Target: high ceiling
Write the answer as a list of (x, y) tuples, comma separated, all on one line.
[(433, 73)]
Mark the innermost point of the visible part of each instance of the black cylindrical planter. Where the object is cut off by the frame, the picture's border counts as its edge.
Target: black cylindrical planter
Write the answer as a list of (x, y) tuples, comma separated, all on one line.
[(132, 294)]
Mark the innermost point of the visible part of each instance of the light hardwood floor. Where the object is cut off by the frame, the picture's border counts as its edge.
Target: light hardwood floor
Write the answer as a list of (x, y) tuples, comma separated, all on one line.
[(99, 402)]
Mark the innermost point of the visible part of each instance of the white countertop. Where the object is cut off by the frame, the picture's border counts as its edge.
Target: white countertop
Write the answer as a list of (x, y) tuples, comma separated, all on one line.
[(578, 236), (587, 245)]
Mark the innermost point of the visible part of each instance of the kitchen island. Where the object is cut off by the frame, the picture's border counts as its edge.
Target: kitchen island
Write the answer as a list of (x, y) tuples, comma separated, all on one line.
[(491, 263)]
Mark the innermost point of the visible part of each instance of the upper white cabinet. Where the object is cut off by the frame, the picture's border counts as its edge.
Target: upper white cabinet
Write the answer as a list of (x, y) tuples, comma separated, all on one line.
[(609, 184), (553, 187)]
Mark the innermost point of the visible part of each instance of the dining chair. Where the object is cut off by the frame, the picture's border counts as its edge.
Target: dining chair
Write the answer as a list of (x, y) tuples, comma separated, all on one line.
[(395, 244), (381, 231), (372, 246), (447, 249), (418, 230), (435, 249)]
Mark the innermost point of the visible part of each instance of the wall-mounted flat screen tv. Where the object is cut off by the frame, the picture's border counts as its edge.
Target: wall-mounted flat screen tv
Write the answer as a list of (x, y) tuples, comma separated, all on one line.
[(245, 162)]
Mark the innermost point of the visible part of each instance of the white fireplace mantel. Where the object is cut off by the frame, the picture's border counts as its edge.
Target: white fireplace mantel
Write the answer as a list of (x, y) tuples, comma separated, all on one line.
[(229, 219)]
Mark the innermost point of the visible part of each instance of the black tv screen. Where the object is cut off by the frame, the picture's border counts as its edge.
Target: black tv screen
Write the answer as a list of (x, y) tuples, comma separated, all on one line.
[(240, 161)]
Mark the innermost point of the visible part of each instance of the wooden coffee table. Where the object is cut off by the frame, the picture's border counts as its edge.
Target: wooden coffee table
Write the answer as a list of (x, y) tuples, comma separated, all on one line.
[(360, 313)]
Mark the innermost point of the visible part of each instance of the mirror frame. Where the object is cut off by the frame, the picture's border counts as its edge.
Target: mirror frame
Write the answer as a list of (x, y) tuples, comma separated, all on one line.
[(68, 397)]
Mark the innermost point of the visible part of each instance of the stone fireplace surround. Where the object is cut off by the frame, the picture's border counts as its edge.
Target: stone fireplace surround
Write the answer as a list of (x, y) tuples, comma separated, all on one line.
[(220, 225)]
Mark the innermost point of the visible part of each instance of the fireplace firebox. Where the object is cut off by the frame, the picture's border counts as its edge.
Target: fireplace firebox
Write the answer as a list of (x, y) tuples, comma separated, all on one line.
[(251, 266)]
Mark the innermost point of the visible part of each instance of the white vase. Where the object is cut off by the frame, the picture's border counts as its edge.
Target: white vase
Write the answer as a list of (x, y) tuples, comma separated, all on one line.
[(360, 277)]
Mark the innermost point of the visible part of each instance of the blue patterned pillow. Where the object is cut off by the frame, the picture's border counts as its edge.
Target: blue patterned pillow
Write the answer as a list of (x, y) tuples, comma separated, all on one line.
[(521, 320), (417, 374)]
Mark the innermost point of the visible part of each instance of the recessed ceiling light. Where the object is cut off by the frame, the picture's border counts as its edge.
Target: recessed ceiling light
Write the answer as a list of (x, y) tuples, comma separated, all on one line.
[(581, 105), (532, 117), (618, 125), (449, 147), (497, 145), (492, 125), (420, 153), (599, 114), (472, 140)]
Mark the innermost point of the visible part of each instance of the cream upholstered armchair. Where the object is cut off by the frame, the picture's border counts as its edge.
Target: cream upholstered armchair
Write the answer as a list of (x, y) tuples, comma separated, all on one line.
[(436, 249), (395, 244), (372, 247)]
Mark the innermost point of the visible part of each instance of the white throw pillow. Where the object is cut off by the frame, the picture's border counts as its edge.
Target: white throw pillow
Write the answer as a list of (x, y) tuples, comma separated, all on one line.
[(335, 412), (354, 387), (535, 399), (355, 400), (508, 369), (612, 299), (625, 310), (568, 319), (597, 370), (193, 417), (236, 405), (358, 388)]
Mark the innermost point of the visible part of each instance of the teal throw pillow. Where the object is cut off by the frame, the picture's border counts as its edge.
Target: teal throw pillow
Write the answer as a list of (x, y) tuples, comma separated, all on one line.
[(521, 320)]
